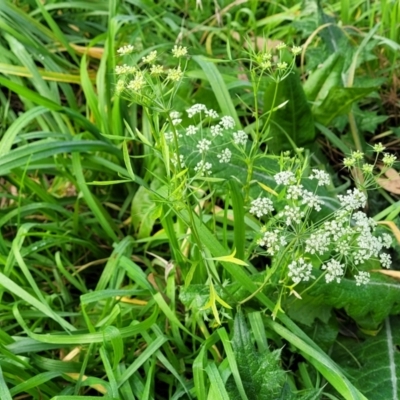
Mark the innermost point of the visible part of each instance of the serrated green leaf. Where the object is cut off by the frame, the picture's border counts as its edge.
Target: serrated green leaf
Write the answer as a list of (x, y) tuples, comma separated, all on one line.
[(293, 122), (260, 373), (368, 304)]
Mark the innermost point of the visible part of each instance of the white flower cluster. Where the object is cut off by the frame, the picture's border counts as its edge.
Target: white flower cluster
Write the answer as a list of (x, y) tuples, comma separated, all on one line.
[(297, 192), (225, 156), (285, 178), (124, 50), (227, 122), (125, 69), (273, 241), (196, 109), (353, 200), (240, 137), (362, 278), (203, 145), (349, 237), (334, 271), (179, 51), (292, 215), (203, 168), (300, 270), (261, 206), (174, 115), (346, 239), (191, 130), (321, 176), (174, 160)]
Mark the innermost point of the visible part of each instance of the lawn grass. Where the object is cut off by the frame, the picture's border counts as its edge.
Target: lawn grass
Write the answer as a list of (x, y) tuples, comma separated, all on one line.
[(125, 276)]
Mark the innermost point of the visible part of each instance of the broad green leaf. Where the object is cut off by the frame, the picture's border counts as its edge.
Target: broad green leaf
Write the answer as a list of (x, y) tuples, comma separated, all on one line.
[(144, 212), (260, 373), (339, 101), (324, 78), (332, 35), (368, 304), (292, 123), (374, 363)]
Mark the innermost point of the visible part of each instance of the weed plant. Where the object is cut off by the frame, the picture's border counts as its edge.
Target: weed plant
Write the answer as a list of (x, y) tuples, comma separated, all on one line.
[(170, 229)]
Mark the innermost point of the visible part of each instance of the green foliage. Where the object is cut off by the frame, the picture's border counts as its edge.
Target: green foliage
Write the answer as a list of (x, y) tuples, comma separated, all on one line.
[(292, 125), (369, 307), (374, 361), (260, 372), (100, 232)]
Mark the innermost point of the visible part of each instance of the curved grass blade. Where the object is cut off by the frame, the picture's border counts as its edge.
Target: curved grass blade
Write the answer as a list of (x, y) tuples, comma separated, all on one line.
[(219, 87)]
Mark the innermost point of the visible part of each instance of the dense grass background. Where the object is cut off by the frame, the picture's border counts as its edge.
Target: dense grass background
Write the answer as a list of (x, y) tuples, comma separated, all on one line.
[(98, 294)]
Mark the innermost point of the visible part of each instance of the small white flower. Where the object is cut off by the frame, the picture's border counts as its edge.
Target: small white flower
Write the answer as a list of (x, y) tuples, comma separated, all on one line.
[(120, 86), (240, 137), (300, 270), (294, 192), (179, 51), (225, 156), (285, 178), (174, 114), (388, 159), (191, 130), (211, 113), (156, 70), (336, 229), (216, 130), (261, 206), (311, 200), (203, 145), (227, 122), (137, 83), (281, 46), (362, 278), (296, 50), (174, 160), (169, 136), (334, 271), (124, 69), (175, 74), (385, 260), (292, 215), (122, 51), (318, 243), (150, 58), (321, 176), (204, 168), (379, 147), (354, 200), (282, 65), (196, 109), (343, 247), (272, 241), (386, 240), (362, 222), (176, 121)]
